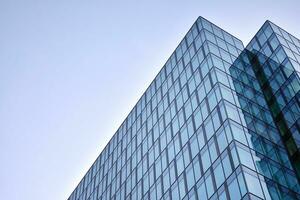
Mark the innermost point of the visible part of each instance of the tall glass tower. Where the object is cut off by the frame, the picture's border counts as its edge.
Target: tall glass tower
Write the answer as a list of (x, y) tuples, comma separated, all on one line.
[(219, 121)]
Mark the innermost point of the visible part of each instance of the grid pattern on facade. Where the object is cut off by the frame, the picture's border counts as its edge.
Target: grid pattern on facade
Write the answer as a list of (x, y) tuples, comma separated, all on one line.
[(202, 130), (268, 150), (277, 64), (157, 131)]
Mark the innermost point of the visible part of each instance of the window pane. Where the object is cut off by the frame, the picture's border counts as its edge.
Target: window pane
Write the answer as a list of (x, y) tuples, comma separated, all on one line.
[(233, 189)]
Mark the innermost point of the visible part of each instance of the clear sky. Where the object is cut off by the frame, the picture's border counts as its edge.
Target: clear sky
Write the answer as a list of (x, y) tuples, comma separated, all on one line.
[(70, 72)]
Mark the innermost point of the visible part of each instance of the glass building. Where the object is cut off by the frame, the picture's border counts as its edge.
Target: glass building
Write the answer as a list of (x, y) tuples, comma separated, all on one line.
[(219, 121)]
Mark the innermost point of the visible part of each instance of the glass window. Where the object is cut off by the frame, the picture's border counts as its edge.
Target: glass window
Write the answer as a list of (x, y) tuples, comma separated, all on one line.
[(253, 184), (139, 171), (201, 191), (238, 133), (157, 168), (197, 118), (212, 101), (219, 175), (209, 185), (179, 101), (197, 77), (175, 125), (184, 135), (221, 43), (151, 175), (213, 49), (174, 192), (221, 140), (186, 156), (212, 150), (175, 73), (181, 184), (206, 24), (176, 86), (245, 156), (194, 146), (188, 109), (216, 119), (200, 137), (186, 58), (172, 173), (228, 38), (195, 63), (234, 157), (145, 147), (178, 52), (164, 161), (166, 180), (207, 84), (232, 112), (225, 56), (156, 149), (280, 55), (198, 42), (226, 93), (194, 101), (209, 129), (226, 164), (171, 94), (145, 183), (177, 144), (204, 110), (190, 127), (223, 195), (145, 165), (167, 116), (218, 63), (190, 177), (173, 110), (171, 153), (242, 184), (158, 189), (233, 189), (183, 79), (179, 163), (185, 94), (205, 159), (210, 37), (152, 192), (197, 168), (169, 134), (181, 118), (201, 92), (149, 140), (151, 156)]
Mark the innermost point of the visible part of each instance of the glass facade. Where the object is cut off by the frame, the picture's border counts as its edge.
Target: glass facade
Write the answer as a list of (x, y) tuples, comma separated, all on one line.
[(275, 57), (206, 127)]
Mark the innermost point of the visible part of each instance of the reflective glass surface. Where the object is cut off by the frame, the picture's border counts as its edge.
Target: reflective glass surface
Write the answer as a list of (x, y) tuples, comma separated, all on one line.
[(205, 127)]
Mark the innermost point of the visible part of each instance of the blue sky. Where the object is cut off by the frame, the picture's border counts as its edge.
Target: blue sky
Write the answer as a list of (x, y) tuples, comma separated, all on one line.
[(70, 72)]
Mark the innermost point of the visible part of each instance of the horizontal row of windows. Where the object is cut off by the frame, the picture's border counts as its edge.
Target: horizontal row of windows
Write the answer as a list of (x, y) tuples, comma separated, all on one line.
[(220, 178)]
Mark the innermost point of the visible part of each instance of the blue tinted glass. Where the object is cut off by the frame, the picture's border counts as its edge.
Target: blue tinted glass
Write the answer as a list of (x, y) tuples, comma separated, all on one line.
[(190, 177), (233, 189), (201, 191)]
